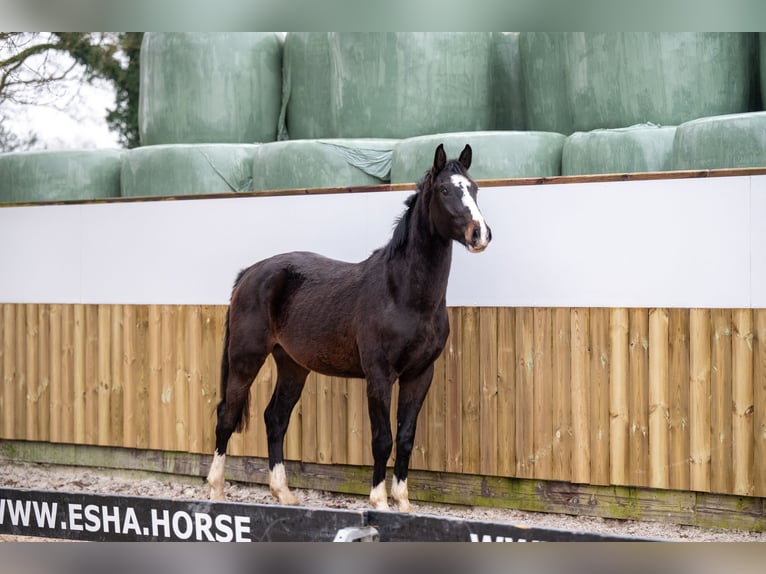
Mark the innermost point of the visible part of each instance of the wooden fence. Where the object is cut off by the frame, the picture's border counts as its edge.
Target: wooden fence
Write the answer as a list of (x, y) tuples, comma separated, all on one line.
[(663, 398)]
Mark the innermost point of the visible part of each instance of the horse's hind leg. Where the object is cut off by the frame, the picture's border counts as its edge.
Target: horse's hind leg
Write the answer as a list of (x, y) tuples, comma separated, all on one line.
[(233, 407), (412, 393), (291, 378)]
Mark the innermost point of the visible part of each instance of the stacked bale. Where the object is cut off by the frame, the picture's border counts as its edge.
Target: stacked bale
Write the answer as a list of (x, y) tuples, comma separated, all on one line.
[(303, 164), (584, 81), (210, 87), (59, 175), (187, 169), (496, 155), (720, 142), (507, 87), (639, 148), (386, 85)]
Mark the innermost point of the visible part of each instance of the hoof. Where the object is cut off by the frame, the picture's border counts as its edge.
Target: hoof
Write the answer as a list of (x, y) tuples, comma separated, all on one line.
[(287, 498), (378, 498), (403, 505), (216, 494)]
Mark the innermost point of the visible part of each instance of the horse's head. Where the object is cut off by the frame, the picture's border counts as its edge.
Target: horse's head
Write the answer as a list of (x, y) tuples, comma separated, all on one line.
[(454, 210)]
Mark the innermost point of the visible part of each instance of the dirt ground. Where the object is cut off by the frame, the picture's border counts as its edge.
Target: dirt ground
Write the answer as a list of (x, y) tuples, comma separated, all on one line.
[(77, 479)]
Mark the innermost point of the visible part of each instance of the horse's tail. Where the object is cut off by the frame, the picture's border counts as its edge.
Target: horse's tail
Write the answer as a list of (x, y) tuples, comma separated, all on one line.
[(244, 414)]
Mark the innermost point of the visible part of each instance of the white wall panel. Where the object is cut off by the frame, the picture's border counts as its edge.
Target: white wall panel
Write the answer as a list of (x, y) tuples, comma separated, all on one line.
[(681, 242)]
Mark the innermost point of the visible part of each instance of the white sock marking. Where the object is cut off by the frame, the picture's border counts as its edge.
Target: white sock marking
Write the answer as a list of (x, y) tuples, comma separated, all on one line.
[(215, 476), (378, 497)]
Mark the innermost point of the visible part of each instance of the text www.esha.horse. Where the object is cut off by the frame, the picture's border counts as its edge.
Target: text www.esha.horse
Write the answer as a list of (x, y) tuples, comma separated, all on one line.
[(382, 319)]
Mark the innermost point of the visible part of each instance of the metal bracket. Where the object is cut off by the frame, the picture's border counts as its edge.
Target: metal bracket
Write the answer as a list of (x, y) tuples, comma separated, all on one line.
[(357, 534)]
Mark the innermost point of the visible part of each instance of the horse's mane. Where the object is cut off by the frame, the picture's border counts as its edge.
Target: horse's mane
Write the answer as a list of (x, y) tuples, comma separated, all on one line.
[(402, 225)]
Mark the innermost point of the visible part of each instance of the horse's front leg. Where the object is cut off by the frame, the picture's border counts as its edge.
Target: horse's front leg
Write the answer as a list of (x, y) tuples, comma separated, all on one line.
[(412, 393), (379, 406)]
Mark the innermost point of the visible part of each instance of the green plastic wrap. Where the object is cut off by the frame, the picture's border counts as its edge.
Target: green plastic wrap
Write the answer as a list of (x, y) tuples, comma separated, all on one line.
[(302, 164), (59, 175), (508, 90), (385, 84), (187, 169), (640, 148), (210, 87), (728, 141), (496, 155), (618, 79)]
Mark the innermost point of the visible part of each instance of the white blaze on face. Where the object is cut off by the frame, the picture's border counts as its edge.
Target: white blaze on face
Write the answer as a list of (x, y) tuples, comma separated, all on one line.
[(465, 185)]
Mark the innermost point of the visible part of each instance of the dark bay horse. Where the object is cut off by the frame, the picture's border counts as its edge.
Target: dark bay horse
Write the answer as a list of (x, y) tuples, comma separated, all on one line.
[(382, 319)]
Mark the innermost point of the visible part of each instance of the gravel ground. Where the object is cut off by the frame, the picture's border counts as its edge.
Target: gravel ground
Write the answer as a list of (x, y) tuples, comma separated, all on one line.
[(77, 479)]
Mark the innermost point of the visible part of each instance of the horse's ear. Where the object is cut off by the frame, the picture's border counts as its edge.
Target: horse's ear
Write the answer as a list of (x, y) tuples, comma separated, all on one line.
[(440, 159), (465, 157)]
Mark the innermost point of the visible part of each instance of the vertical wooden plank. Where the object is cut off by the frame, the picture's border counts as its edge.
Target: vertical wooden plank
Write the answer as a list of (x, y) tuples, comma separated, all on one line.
[(211, 370), (742, 402), (309, 416), (562, 394), (339, 422), (193, 352), (619, 391), (167, 377), (104, 384), (488, 381), (144, 376), (31, 395), (638, 351), (506, 391), (56, 375), (2, 369), (759, 400), (181, 378), (357, 411), (117, 390), (720, 416), (295, 431), (92, 378), (418, 457), (20, 406), (659, 413), (78, 407), (437, 424), (129, 377), (525, 406), (67, 373), (392, 420), (580, 368), (154, 397), (699, 399), (471, 389), (599, 395), (678, 334), (43, 413), (542, 380), (9, 371), (324, 419), (454, 395)]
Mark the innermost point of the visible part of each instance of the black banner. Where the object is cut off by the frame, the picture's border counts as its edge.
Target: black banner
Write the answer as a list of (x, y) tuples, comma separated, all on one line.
[(113, 518)]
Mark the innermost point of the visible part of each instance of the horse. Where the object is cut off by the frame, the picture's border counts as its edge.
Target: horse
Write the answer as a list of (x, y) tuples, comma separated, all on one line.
[(381, 319)]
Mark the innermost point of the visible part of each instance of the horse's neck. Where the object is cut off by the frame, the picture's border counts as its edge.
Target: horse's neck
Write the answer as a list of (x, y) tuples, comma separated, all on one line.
[(424, 265)]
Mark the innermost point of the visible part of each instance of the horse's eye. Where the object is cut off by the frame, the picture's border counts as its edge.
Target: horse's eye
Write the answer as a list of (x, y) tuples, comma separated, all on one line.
[(444, 190)]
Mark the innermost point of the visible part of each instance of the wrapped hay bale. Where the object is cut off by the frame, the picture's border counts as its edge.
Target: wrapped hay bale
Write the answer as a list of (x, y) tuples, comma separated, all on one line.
[(618, 79), (508, 90), (210, 87), (302, 164), (59, 175), (187, 169), (639, 148), (385, 85), (496, 155), (720, 142)]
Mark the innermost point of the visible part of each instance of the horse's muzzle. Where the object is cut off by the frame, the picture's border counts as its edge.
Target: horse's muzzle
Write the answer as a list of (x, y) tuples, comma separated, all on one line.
[(478, 236)]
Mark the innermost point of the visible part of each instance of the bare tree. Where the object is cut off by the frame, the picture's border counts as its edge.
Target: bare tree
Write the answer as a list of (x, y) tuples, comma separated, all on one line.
[(47, 68)]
